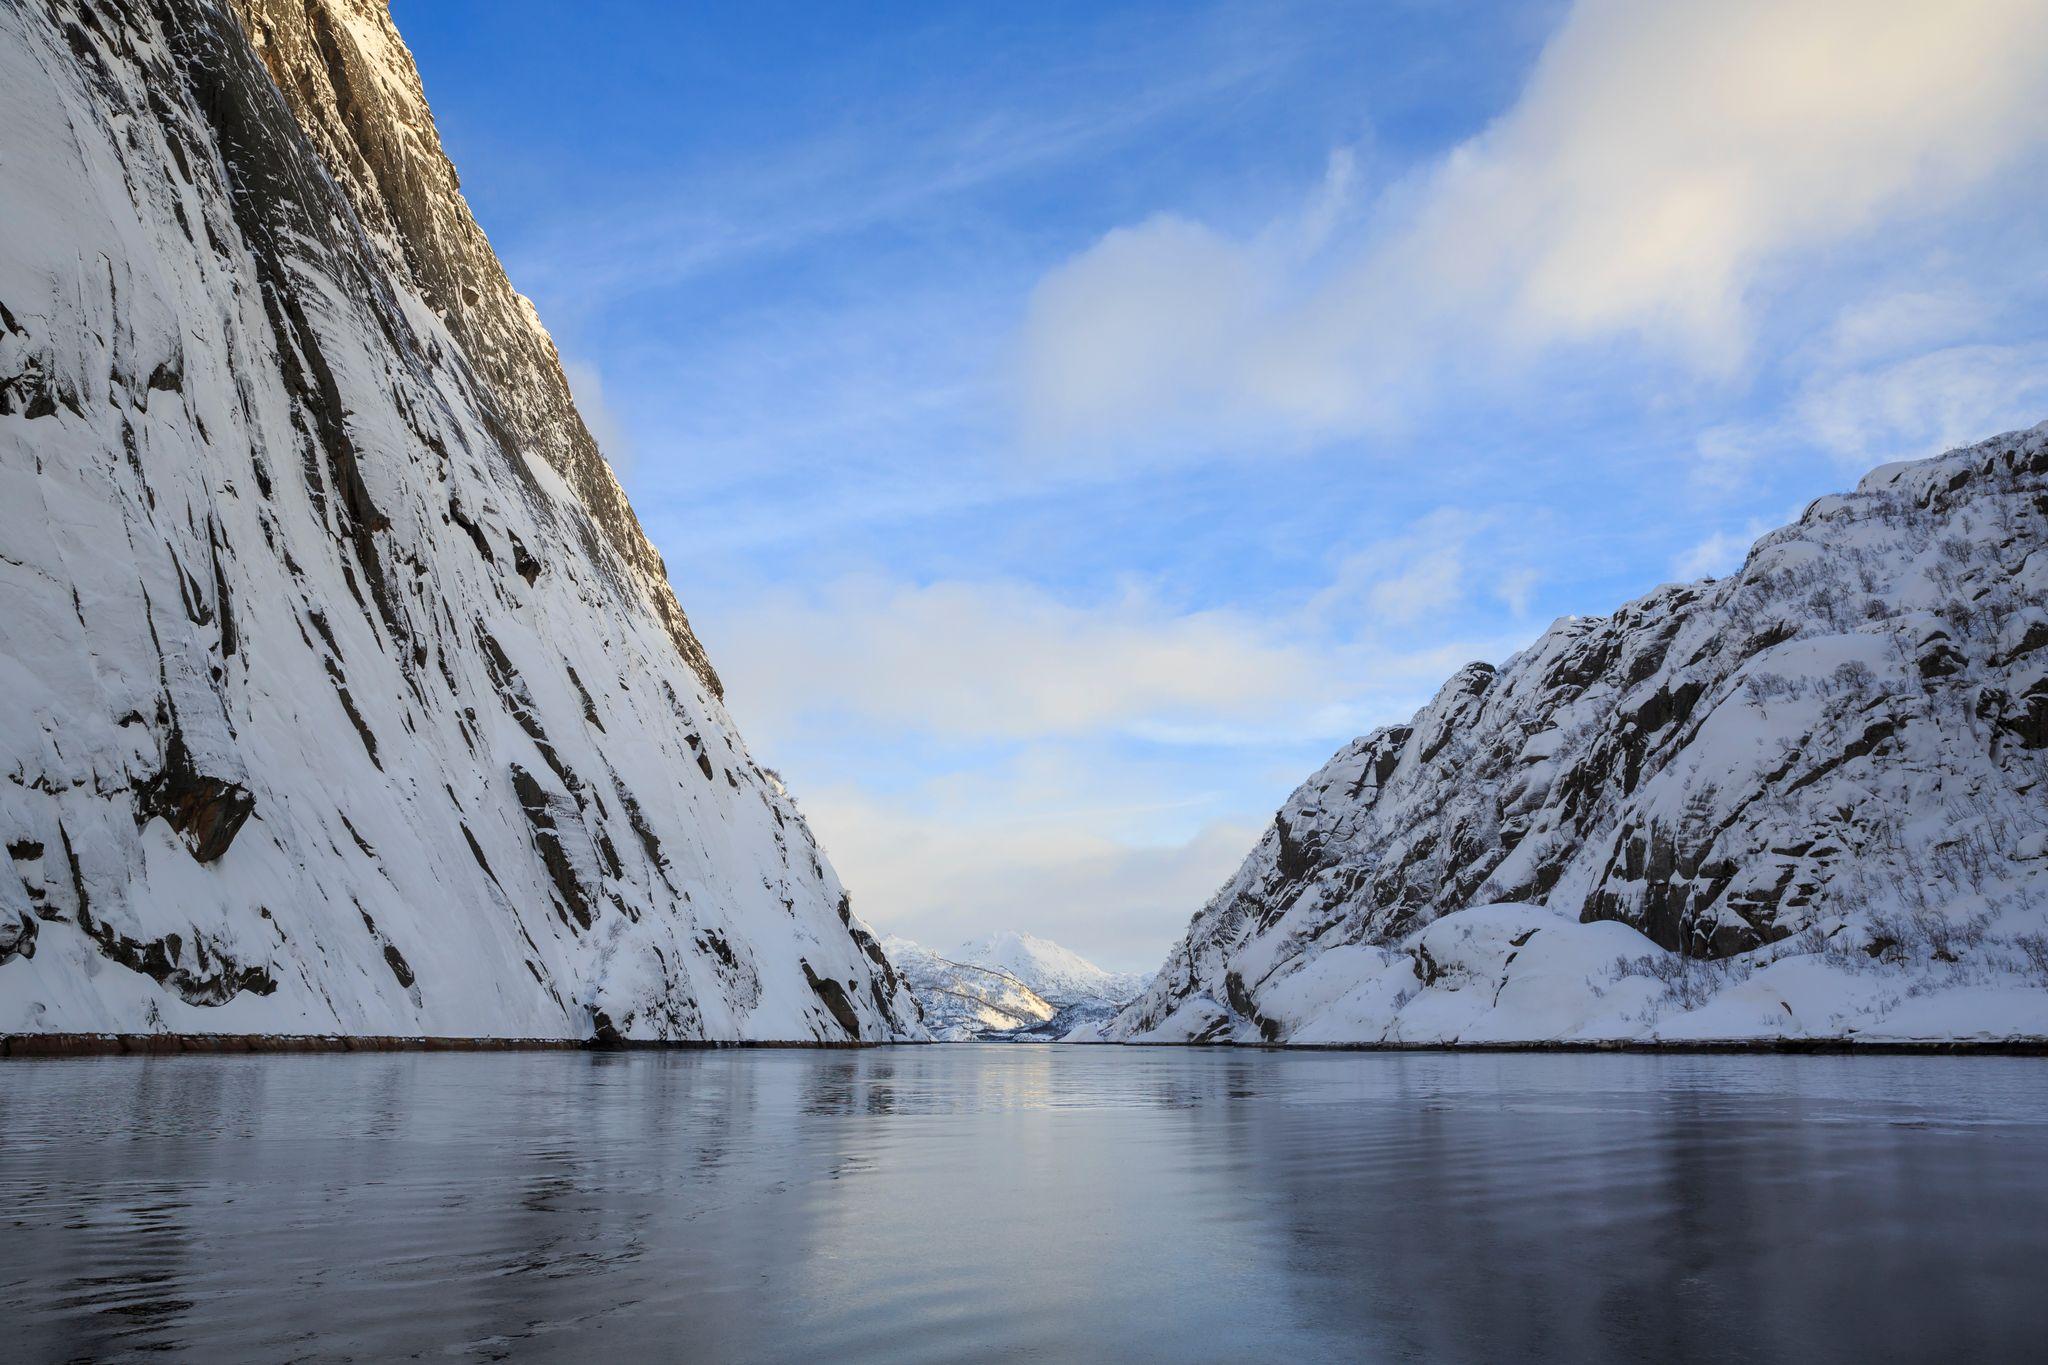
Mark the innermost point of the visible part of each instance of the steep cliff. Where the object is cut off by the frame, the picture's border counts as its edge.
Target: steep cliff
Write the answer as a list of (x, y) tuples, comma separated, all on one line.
[(1829, 763), (341, 691)]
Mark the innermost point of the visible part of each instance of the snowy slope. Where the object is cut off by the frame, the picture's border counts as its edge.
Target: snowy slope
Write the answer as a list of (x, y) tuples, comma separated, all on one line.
[(1009, 985), (961, 1001), (1059, 974), (339, 691), (1807, 799)]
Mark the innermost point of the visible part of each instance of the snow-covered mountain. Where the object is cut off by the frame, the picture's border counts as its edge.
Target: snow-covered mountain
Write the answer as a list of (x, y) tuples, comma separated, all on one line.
[(1059, 974), (1009, 985), (960, 1001), (339, 690), (1806, 800)]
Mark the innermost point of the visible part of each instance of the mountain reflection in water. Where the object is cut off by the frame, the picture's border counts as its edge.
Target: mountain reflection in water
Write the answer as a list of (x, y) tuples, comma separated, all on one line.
[(1013, 1201)]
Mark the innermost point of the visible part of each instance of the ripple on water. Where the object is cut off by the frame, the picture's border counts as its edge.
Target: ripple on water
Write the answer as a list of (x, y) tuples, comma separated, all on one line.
[(1025, 1202)]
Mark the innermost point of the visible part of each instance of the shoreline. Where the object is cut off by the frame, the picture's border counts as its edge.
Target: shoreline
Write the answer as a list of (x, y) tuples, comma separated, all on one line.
[(1982, 1047), (27, 1046)]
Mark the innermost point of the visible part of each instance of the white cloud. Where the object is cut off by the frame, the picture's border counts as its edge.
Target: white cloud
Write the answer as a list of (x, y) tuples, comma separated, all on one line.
[(1008, 659), (1516, 587), (1927, 404), (1662, 153), (1659, 160), (1397, 580), (957, 860), (1864, 416), (1080, 747), (1432, 581), (1146, 314), (1725, 456), (1719, 554), (1899, 322)]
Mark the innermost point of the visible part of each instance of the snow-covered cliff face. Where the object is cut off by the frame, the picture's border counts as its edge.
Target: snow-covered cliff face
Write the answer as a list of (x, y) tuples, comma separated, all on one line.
[(339, 691), (1837, 753)]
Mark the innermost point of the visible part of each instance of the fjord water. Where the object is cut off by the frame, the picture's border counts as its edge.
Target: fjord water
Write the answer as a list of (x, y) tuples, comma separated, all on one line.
[(1027, 1202)]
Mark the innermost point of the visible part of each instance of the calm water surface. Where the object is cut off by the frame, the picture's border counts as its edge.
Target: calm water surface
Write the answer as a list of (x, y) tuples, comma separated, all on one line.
[(1019, 1202)]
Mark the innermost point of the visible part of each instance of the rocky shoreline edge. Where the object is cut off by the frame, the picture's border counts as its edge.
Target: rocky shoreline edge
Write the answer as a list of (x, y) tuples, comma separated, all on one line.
[(39, 1045), (31, 1045)]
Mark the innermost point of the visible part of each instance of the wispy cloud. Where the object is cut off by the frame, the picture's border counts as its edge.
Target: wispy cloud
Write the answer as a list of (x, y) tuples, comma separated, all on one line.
[(1009, 660), (1006, 659), (905, 155), (1856, 417), (1660, 160), (941, 865), (1718, 554), (1926, 404)]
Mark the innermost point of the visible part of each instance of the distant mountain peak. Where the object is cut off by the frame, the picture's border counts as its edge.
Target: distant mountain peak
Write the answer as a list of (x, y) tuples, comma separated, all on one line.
[(1008, 984), (1056, 972)]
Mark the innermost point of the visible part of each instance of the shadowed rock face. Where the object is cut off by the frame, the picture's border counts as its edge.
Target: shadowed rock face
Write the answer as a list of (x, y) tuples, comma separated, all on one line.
[(834, 996), (345, 695), (1851, 725), (207, 811)]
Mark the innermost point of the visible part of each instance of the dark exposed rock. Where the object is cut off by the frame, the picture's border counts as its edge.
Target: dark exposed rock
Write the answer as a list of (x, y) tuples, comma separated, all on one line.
[(539, 809), (523, 563), (207, 812), (603, 1031), (211, 978), (583, 695), (834, 996)]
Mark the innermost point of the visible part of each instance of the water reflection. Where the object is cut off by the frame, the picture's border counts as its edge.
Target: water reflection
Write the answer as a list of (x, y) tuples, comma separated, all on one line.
[(1025, 1202)]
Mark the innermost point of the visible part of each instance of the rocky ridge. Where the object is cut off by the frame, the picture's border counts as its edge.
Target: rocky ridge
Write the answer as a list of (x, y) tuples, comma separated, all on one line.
[(1828, 766)]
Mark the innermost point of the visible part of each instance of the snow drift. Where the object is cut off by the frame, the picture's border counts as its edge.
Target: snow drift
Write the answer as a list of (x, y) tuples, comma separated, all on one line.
[(339, 690), (1803, 801)]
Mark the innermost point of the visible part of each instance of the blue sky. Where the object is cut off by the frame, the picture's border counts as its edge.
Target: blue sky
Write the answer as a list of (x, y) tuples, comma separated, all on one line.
[(1068, 423)]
